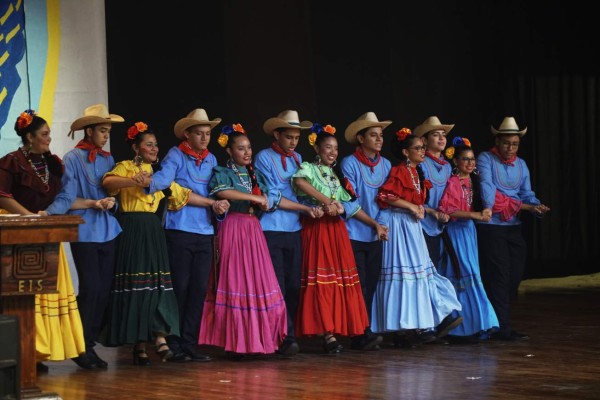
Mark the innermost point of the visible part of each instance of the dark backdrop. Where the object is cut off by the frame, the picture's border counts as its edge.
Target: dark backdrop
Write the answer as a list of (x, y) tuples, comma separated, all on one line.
[(470, 63)]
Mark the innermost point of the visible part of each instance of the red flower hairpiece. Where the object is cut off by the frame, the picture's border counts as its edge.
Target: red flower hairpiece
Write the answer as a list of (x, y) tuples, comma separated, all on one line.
[(136, 129), (25, 119), (403, 133)]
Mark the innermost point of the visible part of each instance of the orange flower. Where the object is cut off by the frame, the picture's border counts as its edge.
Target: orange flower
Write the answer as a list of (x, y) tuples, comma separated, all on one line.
[(312, 138), (136, 129), (329, 129), (467, 142), (238, 128), (449, 153), (24, 119), (223, 139), (403, 133)]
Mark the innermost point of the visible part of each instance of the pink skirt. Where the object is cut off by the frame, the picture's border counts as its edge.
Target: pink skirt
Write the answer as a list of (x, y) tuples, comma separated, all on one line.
[(244, 310)]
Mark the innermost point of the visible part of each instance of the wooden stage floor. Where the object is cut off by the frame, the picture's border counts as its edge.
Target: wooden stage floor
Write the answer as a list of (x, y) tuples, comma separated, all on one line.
[(560, 361)]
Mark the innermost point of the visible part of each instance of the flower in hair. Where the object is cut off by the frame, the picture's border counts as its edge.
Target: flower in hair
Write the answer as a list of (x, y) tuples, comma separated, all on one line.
[(403, 134), (25, 118), (136, 129), (318, 129), (461, 141), (449, 153), (228, 130)]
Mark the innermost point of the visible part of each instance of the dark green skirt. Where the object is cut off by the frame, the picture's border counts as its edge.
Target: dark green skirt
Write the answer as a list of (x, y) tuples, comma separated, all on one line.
[(143, 302)]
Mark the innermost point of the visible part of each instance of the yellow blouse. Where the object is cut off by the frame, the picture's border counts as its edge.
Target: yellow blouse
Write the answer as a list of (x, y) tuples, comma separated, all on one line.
[(134, 199)]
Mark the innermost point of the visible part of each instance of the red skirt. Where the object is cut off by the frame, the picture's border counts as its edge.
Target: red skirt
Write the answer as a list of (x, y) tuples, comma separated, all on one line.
[(331, 299)]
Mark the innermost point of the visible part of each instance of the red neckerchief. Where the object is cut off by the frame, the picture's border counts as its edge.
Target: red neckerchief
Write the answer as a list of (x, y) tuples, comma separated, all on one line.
[(187, 149), (360, 155), (494, 150), (440, 160), (93, 150), (275, 146)]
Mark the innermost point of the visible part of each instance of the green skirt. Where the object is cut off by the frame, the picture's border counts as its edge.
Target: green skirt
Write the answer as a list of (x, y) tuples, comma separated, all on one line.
[(142, 302)]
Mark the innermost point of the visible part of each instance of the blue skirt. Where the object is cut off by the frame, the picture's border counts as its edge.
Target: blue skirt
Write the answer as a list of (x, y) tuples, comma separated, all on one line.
[(477, 311), (410, 293)]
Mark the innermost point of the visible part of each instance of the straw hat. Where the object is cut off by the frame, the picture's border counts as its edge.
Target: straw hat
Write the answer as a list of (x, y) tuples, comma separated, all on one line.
[(285, 119), (96, 114), (431, 124), (509, 127), (196, 117), (367, 120)]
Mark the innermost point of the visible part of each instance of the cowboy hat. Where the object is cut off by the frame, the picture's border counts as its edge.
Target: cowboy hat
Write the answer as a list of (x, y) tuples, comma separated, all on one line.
[(431, 124), (196, 117), (367, 120), (285, 119), (509, 127), (96, 114)]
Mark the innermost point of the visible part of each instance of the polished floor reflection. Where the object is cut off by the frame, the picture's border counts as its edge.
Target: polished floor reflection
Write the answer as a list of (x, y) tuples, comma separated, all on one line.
[(561, 361)]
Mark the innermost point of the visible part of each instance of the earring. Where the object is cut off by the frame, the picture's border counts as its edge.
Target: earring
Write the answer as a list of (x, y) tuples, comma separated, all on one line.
[(407, 163), (334, 163), (318, 159), (155, 162), (138, 160), (454, 171)]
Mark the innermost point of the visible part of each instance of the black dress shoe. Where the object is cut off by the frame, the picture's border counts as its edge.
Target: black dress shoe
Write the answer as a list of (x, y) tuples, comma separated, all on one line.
[(194, 355), (289, 347), (41, 367), (100, 363), (84, 361), (179, 356), (366, 341), (511, 336), (447, 324)]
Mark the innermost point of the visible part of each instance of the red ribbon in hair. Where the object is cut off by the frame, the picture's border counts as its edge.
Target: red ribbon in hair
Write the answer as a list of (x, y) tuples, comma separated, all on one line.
[(275, 146), (187, 149), (362, 157), (92, 148)]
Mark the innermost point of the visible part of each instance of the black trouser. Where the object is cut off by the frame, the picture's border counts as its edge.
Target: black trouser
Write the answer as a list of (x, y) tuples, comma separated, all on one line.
[(434, 247), (502, 257), (368, 257), (190, 259), (285, 249), (95, 265)]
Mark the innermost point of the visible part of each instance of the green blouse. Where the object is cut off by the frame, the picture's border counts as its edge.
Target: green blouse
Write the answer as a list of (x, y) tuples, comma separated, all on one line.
[(322, 178), (225, 178)]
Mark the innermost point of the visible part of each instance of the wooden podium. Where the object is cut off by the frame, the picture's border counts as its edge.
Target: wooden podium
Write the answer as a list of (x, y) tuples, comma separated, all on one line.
[(29, 247)]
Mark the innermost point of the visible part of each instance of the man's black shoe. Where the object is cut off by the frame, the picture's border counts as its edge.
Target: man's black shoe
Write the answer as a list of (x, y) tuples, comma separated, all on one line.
[(426, 337), (179, 356), (367, 341), (447, 325), (511, 336), (289, 347), (84, 361), (194, 355), (100, 363)]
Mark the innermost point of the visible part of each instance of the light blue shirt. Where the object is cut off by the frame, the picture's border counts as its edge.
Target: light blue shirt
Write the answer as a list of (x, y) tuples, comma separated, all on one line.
[(268, 162), (181, 168), (438, 175), (83, 179), (366, 185), (513, 181)]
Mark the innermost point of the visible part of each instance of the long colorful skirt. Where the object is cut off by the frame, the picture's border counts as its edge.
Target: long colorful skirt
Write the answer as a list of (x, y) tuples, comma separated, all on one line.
[(410, 293), (59, 333), (142, 302), (477, 311), (331, 299), (244, 311)]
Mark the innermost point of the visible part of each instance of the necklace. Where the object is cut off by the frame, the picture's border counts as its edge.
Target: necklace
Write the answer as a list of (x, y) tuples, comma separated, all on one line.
[(415, 182), (467, 192), (44, 178), (330, 179), (246, 184)]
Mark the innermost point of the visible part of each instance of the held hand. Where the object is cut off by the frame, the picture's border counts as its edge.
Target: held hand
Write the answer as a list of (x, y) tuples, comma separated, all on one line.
[(261, 201), (105, 204), (540, 209), (339, 207), (330, 209), (318, 212), (219, 207), (43, 213), (442, 217), (487, 212), (382, 232), (482, 216)]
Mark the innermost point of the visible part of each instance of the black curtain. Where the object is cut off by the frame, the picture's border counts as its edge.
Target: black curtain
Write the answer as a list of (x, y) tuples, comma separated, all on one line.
[(469, 63)]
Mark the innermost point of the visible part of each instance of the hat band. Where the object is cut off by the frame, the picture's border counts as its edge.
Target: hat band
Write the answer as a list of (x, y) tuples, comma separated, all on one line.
[(294, 123), (508, 130)]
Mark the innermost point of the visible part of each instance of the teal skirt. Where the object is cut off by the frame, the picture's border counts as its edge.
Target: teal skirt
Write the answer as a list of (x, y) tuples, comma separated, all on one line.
[(142, 302)]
